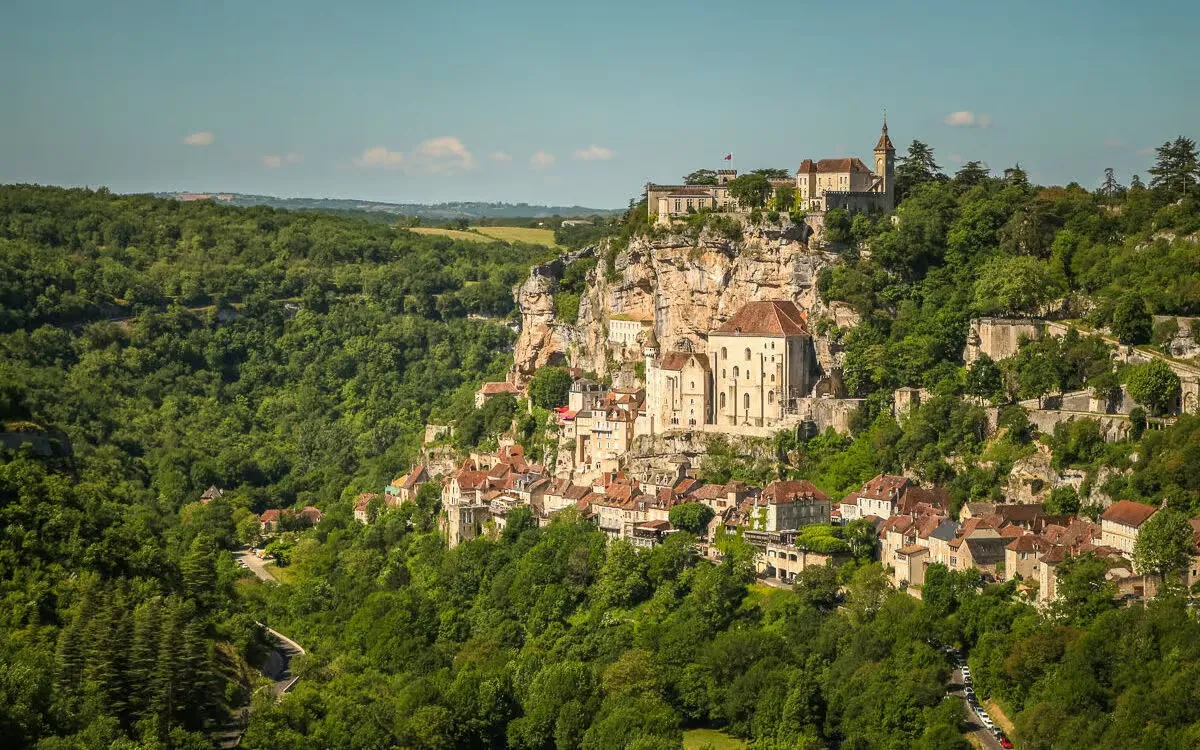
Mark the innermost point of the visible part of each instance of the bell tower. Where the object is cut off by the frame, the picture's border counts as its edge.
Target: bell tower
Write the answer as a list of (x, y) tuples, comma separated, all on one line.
[(885, 167)]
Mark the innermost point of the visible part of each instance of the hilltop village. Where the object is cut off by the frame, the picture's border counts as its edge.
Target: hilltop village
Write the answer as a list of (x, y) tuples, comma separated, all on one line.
[(702, 337)]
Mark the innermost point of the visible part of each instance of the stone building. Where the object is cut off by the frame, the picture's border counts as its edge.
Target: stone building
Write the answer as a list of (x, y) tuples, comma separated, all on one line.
[(762, 360), (820, 185), (759, 363), (1121, 522)]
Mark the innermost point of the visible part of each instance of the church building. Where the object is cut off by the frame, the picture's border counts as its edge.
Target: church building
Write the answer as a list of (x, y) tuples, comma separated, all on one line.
[(758, 362)]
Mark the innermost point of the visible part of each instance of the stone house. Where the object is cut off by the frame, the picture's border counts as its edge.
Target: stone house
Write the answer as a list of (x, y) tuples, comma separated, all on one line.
[(1119, 524), (465, 509), (783, 561), (681, 384), (790, 505), (584, 395), (908, 565), (403, 489), (361, 507), (982, 553), (1021, 556), (487, 391), (606, 433), (626, 329), (212, 493)]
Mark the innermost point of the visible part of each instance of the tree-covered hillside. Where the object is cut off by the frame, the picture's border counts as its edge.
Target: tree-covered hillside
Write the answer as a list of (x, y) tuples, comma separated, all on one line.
[(175, 346), (159, 347), (983, 244)]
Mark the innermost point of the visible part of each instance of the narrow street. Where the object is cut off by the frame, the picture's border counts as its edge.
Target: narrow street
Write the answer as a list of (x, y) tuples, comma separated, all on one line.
[(975, 729)]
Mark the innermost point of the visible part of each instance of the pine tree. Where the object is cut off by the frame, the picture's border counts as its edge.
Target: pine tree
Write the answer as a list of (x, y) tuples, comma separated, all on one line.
[(1016, 176), (1110, 188), (143, 657), (916, 168), (1135, 183), (199, 570), (1176, 168), (970, 174)]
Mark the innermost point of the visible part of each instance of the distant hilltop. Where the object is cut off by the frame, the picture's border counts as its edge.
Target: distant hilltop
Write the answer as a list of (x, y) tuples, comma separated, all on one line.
[(457, 210)]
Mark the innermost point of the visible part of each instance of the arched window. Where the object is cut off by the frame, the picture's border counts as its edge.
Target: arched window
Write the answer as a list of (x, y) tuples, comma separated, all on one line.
[(747, 354), (722, 372), (772, 377), (722, 400), (770, 397), (724, 354), (735, 373), (746, 401), (692, 385)]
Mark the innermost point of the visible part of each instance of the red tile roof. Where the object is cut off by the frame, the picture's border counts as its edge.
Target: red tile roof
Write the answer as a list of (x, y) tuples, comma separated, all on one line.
[(676, 361), (493, 389), (1128, 513), (774, 317), (912, 549), (847, 164), (793, 490), (472, 480)]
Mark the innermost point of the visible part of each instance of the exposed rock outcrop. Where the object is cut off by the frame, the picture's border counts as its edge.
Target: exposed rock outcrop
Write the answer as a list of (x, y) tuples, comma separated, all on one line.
[(686, 285)]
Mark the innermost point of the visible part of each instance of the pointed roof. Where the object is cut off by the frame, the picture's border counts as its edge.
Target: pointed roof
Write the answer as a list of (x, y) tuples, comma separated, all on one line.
[(773, 317), (885, 143)]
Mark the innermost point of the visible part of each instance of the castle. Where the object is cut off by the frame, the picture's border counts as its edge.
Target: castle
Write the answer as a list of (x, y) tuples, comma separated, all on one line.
[(820, 186)]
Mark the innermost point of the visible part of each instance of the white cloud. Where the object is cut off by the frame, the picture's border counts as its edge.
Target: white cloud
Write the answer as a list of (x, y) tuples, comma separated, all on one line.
[(202, 138), (275, 161), (1114, 143), (594, 153), (1147, 150), (442, 155), (380, 158), (967, 119), (541, 159), (500, 156)]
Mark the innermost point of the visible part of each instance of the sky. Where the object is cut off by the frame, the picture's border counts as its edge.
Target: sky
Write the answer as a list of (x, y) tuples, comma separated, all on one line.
[(575, 103)]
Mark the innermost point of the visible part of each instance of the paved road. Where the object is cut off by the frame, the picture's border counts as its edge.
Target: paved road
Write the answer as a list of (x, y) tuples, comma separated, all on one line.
[(974, 726), (255, 564)]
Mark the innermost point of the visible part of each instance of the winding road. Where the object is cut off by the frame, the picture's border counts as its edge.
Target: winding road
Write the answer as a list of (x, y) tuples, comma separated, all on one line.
[(278, 667)]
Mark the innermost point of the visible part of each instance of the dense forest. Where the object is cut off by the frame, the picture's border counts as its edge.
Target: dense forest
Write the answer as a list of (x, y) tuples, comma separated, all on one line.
[(168, 346), (159, 347)]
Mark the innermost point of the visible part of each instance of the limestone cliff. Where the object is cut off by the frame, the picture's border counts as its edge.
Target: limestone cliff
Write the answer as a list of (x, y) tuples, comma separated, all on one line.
[(686, 285)]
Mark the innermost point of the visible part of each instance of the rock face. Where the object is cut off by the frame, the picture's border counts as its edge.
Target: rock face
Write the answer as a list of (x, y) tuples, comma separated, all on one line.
[(686, 285)]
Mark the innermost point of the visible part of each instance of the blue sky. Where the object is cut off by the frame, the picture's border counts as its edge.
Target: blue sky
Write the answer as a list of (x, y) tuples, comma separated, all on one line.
[(564, 103)]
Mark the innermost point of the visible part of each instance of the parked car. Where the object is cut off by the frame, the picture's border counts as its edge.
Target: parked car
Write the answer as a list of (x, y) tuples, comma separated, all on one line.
[(1005, 743)]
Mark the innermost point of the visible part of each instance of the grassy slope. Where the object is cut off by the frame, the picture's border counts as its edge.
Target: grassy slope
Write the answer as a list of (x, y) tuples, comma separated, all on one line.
[(520, 234)]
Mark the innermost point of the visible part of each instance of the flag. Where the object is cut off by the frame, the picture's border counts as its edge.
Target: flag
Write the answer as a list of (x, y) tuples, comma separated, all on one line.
[(728, 157)]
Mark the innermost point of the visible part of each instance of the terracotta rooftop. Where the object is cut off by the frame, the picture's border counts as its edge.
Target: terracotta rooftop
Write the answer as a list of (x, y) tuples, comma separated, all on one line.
[(1128, 513), (472, 480), (767, 318), (1027, 543), (884, 487), (678, 360), (494, 389), (912, 549)]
